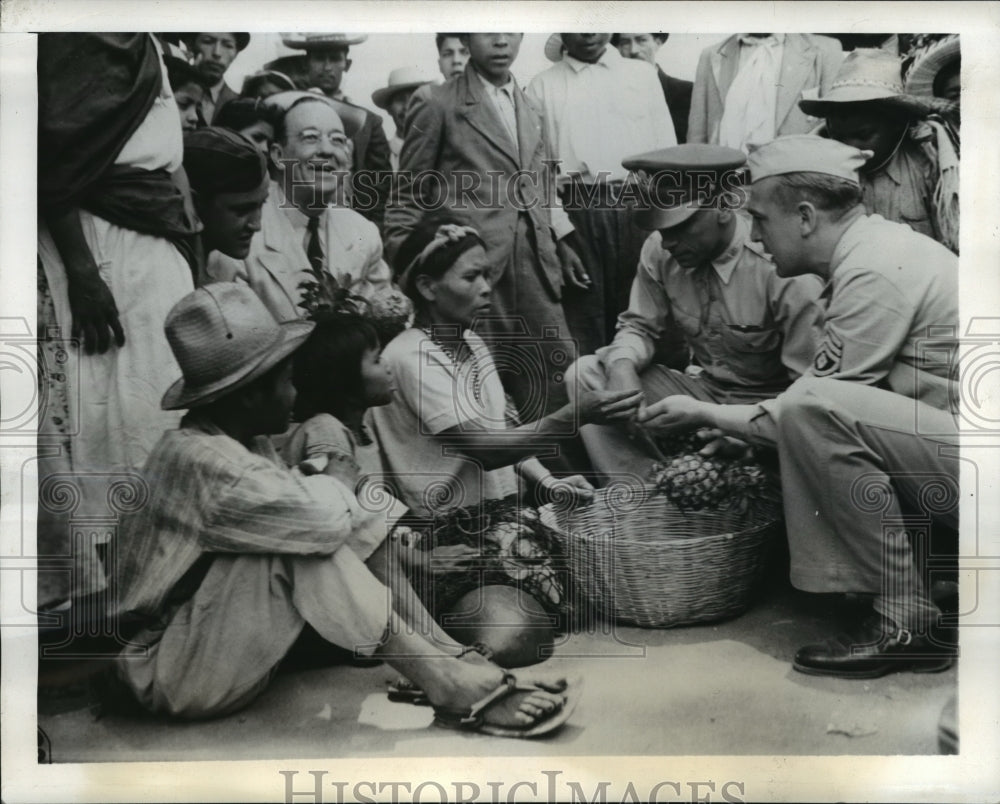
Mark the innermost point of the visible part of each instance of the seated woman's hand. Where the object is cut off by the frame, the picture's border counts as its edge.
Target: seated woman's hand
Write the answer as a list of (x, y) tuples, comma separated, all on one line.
[(568, 491), (604, 407)]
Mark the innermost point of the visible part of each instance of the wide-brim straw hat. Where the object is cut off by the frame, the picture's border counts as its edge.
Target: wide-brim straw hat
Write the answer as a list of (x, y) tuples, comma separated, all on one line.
[(276, 77), (554, 47), (223, 338), (400, 80), (927, 65), (866, 75), (321, 41)]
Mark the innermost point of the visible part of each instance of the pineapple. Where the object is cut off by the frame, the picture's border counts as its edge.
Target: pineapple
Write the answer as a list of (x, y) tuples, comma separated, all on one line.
[(691, 481), (694, 482)]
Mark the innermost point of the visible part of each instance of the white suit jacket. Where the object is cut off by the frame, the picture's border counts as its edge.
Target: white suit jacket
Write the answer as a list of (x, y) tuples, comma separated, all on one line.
[(807, 61)]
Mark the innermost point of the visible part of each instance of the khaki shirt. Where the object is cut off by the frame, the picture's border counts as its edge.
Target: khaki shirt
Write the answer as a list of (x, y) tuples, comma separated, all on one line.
[(745, 325), (903, 190), (891, 320)]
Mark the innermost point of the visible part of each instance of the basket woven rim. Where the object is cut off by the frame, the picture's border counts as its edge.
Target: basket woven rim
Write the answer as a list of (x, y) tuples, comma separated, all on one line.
[(551, 517)]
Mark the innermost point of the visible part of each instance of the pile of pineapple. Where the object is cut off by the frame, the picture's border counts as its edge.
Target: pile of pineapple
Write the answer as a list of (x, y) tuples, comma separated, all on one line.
[(694, 482)]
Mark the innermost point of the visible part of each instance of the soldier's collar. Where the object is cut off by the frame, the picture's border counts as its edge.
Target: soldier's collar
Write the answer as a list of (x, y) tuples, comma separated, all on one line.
[(725, 263)]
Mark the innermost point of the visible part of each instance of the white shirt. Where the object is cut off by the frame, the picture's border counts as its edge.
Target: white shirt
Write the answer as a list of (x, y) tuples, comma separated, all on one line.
[(748, 43), (300, 224), (395, 146), (503, 101), (434, 395), (750, 113), (598, 114)]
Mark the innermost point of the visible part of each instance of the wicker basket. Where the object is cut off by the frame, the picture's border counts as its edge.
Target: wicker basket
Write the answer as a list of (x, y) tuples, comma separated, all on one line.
[(640, 560)]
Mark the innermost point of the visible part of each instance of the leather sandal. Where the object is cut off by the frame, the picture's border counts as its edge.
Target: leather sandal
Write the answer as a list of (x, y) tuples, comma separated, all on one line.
[(402, 690), (473, 718)]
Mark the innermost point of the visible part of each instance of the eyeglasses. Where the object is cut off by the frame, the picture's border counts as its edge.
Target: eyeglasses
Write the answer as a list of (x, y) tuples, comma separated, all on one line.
[(335, 138)]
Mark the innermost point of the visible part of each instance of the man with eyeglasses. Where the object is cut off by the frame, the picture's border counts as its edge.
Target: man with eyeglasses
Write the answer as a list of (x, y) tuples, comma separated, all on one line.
[(307, 225), (322, 66)]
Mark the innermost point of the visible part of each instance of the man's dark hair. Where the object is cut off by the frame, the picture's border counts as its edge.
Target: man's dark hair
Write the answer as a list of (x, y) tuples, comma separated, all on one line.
[(179, 73), (659, 37), (327, 371), (329, 48), (945, 74), (243, 112), (828, 193), (439, 38), (230, 403)]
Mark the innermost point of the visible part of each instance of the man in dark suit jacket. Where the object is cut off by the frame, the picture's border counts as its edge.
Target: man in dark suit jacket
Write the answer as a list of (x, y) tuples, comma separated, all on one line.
[(676, 91), (322, 68), (213, 54), (481, 140)]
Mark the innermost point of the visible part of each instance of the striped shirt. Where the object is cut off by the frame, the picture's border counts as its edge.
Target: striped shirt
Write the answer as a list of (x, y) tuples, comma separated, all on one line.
[(210, 494)]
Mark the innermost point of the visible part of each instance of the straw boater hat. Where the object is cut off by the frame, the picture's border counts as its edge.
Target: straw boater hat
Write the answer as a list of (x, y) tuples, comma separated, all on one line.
[(400, 79), (321, 41), (252, 82), (223, 338), (927, 65), (554, 47), (866, 75)]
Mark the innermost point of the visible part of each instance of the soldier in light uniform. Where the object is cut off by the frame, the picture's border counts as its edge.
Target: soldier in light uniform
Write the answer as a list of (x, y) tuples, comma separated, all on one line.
[(874, 414), (750, 332)]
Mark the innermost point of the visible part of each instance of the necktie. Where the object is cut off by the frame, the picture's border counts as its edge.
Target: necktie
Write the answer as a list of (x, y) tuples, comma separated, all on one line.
[(314, 250), (705, 295)]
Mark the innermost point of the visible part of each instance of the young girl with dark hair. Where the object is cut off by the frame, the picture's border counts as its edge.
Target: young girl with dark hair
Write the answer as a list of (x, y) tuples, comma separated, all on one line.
[(338, 375), (250, 117)]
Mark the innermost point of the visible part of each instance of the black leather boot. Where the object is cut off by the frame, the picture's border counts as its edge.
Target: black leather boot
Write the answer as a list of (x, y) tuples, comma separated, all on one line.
[(876, 648)]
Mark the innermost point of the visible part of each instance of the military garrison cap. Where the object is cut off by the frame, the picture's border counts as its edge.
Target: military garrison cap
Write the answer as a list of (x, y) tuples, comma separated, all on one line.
[(683, 179), (806, 153), (218, 160)]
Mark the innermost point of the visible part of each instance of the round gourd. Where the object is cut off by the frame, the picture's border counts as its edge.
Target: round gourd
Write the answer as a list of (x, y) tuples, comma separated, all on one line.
[(507, 620)]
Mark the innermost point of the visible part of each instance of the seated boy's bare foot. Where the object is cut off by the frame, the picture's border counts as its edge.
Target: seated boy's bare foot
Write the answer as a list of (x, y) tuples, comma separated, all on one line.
[(551, 681), (467, 685)]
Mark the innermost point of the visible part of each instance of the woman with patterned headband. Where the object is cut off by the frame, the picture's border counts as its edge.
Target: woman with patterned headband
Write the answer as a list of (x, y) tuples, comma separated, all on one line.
[(451, 440)]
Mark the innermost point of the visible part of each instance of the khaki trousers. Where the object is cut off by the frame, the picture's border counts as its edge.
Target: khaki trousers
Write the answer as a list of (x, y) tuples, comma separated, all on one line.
[(850, 455), (612, 452)]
